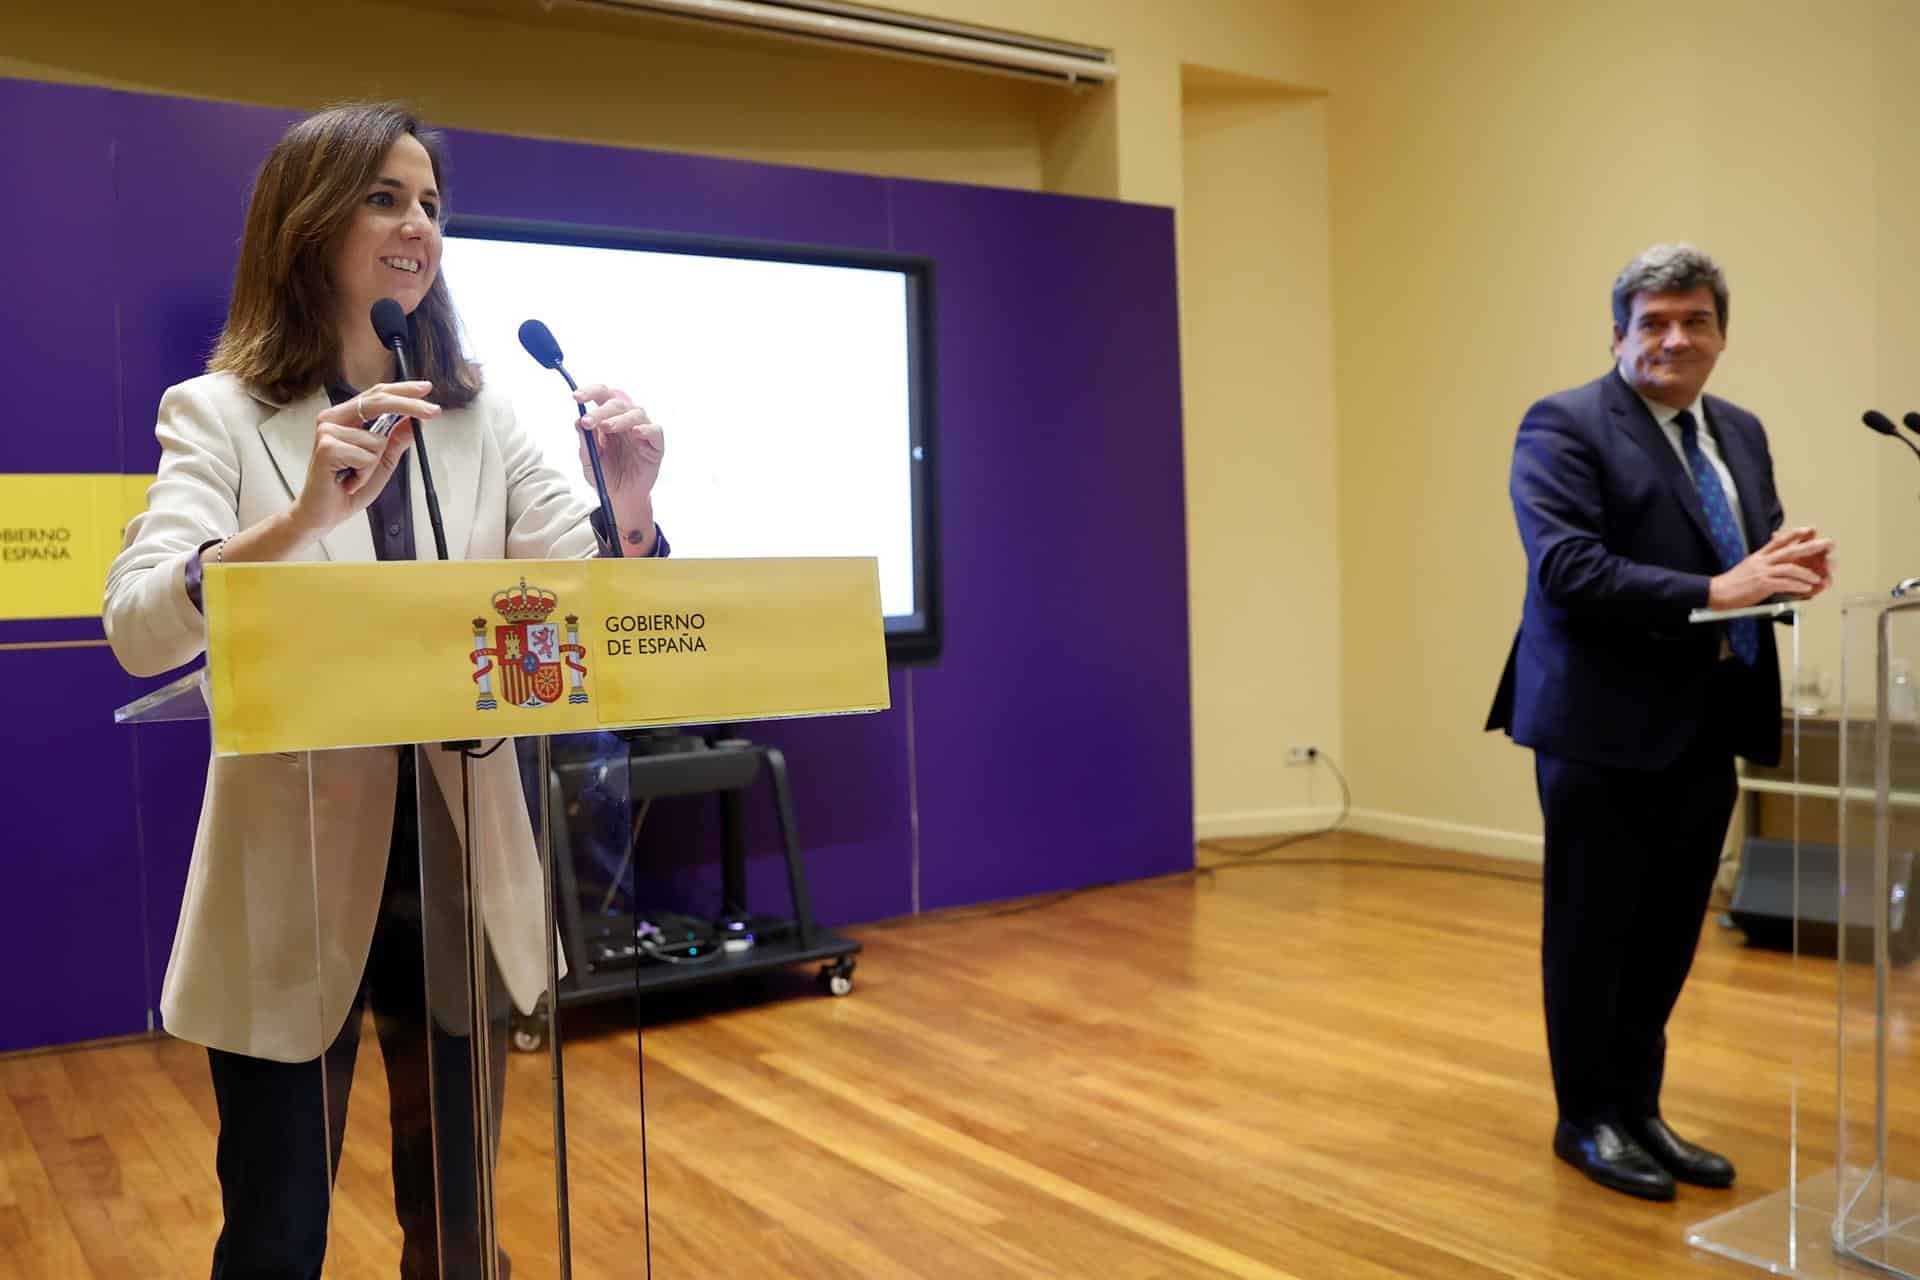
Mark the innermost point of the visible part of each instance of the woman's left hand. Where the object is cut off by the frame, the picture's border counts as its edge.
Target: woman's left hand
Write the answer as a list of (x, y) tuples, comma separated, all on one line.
[(632, 447)]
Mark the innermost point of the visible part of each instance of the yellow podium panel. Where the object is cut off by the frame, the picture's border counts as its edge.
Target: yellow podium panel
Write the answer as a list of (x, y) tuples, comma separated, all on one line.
[(315, 656)]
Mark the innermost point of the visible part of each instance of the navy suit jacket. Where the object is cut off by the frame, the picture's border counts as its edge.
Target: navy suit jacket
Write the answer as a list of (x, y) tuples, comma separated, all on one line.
[(1606, 668)]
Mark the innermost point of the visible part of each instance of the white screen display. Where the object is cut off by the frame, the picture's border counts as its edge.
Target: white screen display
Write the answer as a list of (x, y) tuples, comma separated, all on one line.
[(783, 388)]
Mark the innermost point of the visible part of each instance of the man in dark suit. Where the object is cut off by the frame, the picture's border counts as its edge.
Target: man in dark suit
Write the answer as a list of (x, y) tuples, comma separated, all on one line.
[(1639, 500)]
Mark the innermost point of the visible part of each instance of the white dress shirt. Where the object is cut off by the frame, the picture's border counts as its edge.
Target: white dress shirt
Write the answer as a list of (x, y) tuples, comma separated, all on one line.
[(1665, 415)]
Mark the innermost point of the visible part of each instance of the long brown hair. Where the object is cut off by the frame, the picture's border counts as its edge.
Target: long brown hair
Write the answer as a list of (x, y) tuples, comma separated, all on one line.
[(280, 324)]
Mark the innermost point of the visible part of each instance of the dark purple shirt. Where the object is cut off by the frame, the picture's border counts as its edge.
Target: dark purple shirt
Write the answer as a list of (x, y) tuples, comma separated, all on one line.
[(391, 515)]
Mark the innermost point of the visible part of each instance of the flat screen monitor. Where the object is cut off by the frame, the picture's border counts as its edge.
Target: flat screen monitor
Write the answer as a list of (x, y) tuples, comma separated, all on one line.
[(793, 384)]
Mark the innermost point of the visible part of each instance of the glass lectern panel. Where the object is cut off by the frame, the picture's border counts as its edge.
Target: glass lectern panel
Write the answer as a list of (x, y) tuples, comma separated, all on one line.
[(1878, 1067), (263, 971), (1852, 1199), (596, 819), (1785, 1229), (489, 972), (184, 698)]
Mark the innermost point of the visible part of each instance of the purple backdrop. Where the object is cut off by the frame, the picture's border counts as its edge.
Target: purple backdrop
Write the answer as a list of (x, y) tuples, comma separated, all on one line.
[(1051, 740)]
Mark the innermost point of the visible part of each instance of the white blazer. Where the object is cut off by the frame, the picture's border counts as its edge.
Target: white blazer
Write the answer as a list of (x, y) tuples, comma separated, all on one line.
[(276, 924)]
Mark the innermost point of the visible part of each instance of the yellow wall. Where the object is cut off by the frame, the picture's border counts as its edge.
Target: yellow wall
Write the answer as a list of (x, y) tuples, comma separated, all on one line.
[(1203, 97), (1896, 121), (1398, 222), (588, 78), (518, 66), (1494, 163), (1258, 362)]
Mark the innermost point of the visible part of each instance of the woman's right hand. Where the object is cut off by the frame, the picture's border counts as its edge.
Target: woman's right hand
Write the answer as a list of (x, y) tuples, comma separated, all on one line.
[(341, 442)]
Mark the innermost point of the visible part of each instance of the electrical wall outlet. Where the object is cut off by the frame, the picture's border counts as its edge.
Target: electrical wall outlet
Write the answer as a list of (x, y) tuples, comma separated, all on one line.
[(1302, 754)]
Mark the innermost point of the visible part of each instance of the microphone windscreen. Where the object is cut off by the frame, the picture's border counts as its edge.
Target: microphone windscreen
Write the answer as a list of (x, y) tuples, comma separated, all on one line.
[(1913, 421), (1879, 422), (538, 340), (390, 322)]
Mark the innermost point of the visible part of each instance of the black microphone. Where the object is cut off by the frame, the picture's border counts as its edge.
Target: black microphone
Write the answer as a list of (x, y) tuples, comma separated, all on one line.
[(545, 350), (390, 323), (1879, 421)]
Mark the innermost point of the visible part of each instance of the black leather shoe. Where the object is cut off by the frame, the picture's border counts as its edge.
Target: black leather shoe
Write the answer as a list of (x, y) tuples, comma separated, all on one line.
[(1682, 1159), (1606, 1154)]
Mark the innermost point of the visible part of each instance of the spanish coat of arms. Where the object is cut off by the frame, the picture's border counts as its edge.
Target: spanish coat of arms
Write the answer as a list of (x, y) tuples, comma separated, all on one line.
[(533, 665)]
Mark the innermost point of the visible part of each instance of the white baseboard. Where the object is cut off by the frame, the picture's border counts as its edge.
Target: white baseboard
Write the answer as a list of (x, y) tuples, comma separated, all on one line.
[(1263, 822), (1491, 841)]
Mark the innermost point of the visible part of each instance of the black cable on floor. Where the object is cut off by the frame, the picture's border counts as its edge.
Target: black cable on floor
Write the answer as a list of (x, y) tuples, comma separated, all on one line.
[(1483, 872), (1339, 820), (1232, 859)]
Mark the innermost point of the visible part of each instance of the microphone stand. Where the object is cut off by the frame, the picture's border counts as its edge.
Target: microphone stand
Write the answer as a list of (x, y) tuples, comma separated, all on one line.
[(399, 348), (480, 1064), (1879, 422), (599, 477)]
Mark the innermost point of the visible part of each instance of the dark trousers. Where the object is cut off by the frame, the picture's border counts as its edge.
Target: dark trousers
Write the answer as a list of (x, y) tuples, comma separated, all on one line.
[(280, 1134), (1631, 858)]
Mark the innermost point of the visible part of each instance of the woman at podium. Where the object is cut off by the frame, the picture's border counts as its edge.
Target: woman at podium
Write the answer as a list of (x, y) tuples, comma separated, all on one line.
[(303, 905)]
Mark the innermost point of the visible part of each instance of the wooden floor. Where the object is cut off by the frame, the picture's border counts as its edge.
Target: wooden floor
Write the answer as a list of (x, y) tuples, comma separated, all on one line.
[(1316, 1071)]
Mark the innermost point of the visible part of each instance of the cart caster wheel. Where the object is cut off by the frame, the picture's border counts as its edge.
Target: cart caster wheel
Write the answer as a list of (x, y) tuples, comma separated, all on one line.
[(529, 1034), (837, 977)]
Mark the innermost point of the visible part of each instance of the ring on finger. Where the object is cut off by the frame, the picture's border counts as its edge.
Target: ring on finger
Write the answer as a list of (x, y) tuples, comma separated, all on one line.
[(359, 411)]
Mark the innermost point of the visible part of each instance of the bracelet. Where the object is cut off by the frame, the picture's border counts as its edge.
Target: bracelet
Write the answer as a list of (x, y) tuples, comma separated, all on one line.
[(220, 549)]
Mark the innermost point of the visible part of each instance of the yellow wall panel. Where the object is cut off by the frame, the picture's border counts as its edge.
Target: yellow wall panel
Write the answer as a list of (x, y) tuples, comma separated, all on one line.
[(58, 534)]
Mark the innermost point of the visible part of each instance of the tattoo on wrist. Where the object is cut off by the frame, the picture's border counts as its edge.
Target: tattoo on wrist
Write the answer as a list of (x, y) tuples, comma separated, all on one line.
[(636, 536)]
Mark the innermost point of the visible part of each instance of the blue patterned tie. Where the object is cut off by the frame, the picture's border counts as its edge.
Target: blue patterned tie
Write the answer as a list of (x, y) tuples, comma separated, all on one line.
[(1743, 634)]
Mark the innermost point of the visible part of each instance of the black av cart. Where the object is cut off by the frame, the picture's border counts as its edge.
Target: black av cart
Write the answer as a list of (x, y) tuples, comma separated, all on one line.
[(612, 954)]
